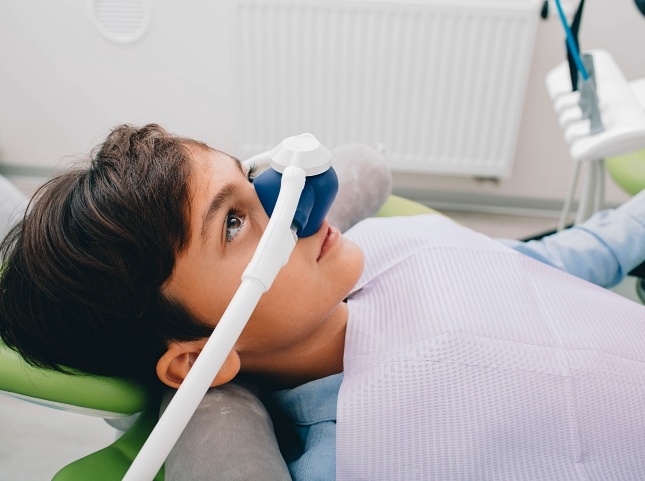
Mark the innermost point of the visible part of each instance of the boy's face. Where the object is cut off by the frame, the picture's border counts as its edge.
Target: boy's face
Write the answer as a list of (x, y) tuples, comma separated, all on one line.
[(226, 221)]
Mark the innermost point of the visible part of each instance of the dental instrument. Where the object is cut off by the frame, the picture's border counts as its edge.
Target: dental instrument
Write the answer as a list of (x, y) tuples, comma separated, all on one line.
[(297, 193), (573, 47)]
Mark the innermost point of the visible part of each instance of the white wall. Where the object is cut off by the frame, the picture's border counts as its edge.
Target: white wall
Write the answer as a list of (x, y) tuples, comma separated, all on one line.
[(63, 85)]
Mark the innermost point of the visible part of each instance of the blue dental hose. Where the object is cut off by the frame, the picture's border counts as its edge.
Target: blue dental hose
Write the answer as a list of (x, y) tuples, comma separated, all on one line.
[(297, 193), (571, 42)]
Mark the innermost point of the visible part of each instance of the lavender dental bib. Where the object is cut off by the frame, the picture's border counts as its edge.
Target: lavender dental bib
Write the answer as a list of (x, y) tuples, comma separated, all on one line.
[(467, 360)]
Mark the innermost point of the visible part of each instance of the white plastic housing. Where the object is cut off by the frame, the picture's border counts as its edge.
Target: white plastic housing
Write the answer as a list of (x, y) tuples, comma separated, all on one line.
[(304, 151)]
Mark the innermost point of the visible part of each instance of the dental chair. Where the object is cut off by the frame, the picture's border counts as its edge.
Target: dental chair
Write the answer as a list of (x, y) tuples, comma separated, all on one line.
[(111, 398), (616, 145)]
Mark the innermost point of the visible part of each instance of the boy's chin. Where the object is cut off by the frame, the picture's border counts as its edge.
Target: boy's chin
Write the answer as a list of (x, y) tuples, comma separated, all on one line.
[(355, 264)]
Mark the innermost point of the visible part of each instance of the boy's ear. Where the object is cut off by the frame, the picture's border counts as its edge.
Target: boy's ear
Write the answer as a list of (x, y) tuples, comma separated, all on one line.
[(173, 366)]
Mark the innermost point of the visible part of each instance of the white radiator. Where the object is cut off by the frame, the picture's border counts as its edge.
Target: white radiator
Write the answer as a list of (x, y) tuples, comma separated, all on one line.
[(440, 83)]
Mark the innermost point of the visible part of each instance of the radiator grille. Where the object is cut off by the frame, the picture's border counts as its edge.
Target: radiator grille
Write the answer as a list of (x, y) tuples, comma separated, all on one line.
[(440, 83)]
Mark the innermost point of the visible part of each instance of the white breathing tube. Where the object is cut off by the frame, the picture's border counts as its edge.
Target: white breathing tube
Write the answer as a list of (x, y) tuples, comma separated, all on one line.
[(297, 157)]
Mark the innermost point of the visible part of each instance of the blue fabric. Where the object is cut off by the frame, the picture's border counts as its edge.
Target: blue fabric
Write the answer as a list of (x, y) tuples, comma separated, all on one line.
[(312, 410), (602, 250)]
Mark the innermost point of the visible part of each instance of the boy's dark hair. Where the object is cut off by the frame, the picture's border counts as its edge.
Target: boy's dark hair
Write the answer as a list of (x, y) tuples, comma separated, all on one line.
[(81, 282)]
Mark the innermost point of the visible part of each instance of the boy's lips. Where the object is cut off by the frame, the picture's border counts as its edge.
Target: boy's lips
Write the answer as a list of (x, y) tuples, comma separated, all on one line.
[(331, 237)]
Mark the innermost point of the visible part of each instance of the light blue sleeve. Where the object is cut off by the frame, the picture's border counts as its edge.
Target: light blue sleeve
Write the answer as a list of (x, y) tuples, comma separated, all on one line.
[(318, 461), (311, 408), (602, 249)]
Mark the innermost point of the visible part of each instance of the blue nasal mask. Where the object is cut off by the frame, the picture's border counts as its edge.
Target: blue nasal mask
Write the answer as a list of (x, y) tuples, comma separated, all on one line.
[(321, 184)]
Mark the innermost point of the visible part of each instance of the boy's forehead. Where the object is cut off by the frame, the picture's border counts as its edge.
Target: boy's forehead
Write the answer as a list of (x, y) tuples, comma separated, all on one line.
[(213, 157), (212, 171)]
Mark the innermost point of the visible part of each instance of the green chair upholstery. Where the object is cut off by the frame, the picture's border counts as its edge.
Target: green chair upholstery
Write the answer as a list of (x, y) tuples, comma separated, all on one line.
[(111, 463), (396, 205), (101, 396), (109, 396), (82, 393), (628, 171)]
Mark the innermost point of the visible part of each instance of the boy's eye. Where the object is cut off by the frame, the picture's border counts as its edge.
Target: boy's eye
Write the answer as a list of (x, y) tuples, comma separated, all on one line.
[(234, 223), (251, 173)]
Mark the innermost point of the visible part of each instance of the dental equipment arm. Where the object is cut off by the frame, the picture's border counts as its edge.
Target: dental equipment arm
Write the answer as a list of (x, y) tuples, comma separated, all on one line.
[(300, 159)]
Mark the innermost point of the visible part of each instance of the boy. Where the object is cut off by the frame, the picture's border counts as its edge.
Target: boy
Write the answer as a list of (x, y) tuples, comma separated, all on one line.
[(444, 337)]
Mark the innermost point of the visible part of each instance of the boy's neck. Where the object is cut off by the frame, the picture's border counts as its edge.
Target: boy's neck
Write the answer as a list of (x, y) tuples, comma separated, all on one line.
[(318, 356)]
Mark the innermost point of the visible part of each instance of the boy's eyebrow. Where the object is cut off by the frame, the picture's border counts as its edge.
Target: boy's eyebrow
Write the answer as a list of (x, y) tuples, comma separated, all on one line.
[(216, 205), (220, 199)]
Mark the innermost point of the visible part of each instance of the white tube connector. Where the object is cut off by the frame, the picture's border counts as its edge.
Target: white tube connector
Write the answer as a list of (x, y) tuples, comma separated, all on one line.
[(278, 240)]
